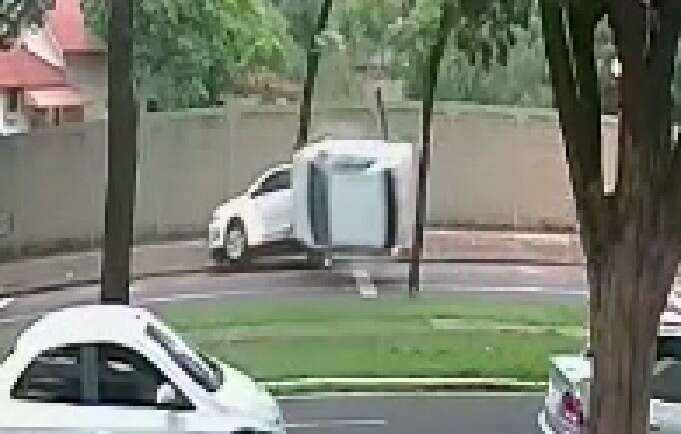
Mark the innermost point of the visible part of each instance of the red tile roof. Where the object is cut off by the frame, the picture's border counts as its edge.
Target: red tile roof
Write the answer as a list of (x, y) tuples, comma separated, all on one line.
[(20, 68), (67, 24)]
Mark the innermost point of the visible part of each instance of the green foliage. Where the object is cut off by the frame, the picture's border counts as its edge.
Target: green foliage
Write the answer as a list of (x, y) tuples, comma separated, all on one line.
[(490, 43), (17, 13), (187, 52), (522, 81)]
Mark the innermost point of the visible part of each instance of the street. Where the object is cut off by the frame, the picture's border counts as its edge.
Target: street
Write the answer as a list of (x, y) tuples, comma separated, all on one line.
[(549, 284), (477, 413), (446, 413)]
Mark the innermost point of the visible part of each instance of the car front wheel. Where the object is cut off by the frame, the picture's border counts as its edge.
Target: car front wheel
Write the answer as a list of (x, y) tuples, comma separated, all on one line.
[(236, 243)]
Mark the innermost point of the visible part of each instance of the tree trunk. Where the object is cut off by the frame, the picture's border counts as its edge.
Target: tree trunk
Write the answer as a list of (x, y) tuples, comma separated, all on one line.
[(430, 82), (624, 327), (121, 161), (212, 86), (642, 255), (312, 67)]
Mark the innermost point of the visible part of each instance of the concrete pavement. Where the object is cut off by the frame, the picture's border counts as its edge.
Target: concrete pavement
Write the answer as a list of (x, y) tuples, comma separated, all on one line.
[(40, 274)]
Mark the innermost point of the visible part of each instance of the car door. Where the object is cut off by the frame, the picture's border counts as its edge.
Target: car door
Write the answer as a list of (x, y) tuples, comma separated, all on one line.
[(272, 201), (46, 398), (127, 389)]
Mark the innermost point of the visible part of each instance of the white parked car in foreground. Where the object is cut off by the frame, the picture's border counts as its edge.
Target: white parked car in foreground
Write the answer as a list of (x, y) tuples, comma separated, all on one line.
[(259, 217), (117, 369), (566, 407)]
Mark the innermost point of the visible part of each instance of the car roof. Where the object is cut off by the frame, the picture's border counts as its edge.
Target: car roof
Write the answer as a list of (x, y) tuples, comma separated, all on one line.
[(85, 324)]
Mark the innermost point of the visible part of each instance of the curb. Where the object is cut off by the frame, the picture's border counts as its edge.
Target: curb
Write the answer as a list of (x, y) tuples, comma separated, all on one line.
[(451, 260), (312, 385)]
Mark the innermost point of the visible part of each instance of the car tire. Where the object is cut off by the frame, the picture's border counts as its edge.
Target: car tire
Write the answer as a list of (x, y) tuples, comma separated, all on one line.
[(319, 259), (236, 252)]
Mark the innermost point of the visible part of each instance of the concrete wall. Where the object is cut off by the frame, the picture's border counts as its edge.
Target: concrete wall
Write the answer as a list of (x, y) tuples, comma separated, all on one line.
[(497, 170), (51, 182), (487, 169)]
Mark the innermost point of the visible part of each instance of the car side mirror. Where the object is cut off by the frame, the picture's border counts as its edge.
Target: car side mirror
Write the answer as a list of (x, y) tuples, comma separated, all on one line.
[(166, 395)]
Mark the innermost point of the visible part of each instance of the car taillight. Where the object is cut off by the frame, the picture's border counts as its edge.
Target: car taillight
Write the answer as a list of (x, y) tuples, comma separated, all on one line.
[(572, 410)]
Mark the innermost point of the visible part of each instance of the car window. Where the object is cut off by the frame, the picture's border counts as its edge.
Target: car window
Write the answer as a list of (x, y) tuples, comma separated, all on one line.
[(126, 377), (277, 181), (669, 347), (53, 376), (667, 380), (199, 368)]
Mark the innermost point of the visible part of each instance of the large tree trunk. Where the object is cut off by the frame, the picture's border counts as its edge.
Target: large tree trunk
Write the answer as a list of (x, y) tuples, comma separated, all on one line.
[(630, 238), (312, 67), (624, 327)]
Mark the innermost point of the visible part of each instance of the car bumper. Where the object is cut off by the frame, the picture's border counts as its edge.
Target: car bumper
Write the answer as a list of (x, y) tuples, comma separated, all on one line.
[(215, 236)]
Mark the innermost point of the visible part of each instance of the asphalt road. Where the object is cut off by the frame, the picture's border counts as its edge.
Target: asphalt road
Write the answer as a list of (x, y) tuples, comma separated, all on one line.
[(521, 283), (453, 413)]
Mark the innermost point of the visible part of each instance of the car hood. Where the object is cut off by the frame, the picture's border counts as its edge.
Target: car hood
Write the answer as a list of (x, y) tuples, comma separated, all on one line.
[(240, 394), (226, 208)]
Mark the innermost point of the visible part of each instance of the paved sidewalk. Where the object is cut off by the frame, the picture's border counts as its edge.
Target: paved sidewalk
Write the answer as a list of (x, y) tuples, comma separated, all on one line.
[(52, 272), (504, 246)]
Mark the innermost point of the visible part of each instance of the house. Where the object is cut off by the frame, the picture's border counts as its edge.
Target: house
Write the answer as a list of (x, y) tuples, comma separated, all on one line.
[(53, 74)]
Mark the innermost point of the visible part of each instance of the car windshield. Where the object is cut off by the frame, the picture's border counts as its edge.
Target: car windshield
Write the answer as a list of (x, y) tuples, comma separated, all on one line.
[(201, 369), (9, 350)]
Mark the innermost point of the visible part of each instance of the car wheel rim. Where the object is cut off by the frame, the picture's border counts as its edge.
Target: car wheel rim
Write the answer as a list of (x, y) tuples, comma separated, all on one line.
[(235, 244)]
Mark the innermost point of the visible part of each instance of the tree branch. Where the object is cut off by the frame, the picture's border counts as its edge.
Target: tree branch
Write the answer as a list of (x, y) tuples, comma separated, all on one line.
[(650, 172), (312, 67), (569, 30)]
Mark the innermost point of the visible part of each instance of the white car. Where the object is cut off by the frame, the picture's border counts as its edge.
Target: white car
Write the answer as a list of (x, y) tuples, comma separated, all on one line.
[(566, 407), (261, 216), (116, 369)]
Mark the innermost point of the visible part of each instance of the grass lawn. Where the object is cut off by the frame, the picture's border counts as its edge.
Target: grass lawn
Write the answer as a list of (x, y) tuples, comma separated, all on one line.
[(389, 337)]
